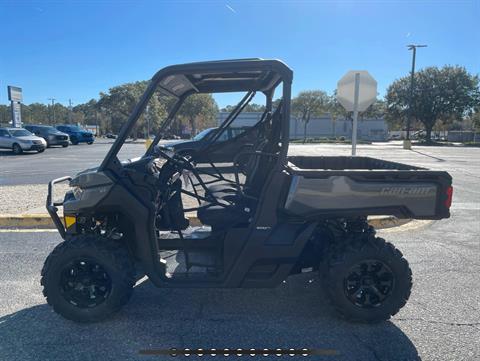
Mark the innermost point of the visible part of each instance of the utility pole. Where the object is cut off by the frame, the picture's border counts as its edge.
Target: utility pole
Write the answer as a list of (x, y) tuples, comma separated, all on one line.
[(407, 144), (70, 111), (147, 116), (96, 123), (53, 109)]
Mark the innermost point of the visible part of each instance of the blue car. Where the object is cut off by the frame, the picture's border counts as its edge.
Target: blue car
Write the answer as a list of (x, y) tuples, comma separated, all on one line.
[(77, 134)]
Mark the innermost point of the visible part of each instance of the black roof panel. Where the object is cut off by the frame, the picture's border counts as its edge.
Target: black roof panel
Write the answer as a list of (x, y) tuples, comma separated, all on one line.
[(222, 76)]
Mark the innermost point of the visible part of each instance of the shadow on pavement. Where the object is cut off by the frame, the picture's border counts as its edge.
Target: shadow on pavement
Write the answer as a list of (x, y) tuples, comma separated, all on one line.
[(293, 315), (7, 153), (428, 155)]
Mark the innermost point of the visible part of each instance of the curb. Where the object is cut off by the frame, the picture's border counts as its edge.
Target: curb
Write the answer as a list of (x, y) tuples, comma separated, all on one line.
[(44, 221), (26, 221)]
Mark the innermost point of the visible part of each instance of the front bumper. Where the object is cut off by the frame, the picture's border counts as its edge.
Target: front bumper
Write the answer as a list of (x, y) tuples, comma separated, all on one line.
[(34, 147), (56, 141)]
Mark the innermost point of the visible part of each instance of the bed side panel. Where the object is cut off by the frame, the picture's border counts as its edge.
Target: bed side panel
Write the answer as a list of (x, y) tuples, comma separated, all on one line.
[(308, 196)]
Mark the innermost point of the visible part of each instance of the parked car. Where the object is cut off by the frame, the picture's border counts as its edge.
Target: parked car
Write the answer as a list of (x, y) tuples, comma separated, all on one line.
[(192, 145), (77, 134), (111, 136), (51, 135), (20, 139)]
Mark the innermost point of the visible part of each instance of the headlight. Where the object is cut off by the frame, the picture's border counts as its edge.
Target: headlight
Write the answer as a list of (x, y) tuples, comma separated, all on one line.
[(77, 193)]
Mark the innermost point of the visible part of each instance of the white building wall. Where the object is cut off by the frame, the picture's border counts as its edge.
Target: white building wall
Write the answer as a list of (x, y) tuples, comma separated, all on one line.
[(322, 127)]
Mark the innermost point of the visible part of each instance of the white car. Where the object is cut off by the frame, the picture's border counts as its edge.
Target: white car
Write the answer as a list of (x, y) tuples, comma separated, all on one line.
[(19, 140)]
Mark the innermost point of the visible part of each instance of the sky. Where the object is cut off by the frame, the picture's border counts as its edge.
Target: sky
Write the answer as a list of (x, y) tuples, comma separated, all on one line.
[(77, 49)]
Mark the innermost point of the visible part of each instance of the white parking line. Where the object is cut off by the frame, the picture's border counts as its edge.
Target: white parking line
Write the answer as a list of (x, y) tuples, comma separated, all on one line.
[(31, 230)]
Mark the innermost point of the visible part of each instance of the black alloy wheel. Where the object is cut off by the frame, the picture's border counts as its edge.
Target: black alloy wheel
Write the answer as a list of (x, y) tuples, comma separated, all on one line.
[(84, 283), (369, 283)]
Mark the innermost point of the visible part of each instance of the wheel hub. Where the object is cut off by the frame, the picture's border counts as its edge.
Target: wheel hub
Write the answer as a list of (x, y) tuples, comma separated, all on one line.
[(369, 283), (85, 284)]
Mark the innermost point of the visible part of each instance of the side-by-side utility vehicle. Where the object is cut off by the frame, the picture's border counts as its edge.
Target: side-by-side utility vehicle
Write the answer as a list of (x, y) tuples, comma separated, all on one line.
[(261, 216)]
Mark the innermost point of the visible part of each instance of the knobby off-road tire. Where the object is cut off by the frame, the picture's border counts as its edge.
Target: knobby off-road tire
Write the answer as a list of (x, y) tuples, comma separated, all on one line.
[(88, 278), (350, 276)]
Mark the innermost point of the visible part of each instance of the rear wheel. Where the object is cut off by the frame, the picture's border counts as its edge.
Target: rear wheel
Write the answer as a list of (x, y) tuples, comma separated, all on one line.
[(17, 149), (369, 282), (88, 278), (74, 141)]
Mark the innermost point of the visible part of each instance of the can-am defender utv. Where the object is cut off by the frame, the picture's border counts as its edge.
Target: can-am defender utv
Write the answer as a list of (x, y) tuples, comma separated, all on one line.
[(264, 218)]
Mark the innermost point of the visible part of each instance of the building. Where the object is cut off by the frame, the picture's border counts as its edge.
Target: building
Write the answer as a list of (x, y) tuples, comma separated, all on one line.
[(92, 128), (322, 127)]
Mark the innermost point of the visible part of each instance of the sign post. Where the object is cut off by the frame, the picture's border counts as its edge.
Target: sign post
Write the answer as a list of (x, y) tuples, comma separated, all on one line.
[(15, 97), (355, 114), (356, 91)]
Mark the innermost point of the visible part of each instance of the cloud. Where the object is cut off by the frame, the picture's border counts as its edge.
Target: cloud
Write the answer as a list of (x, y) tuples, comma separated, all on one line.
[(230, 8)]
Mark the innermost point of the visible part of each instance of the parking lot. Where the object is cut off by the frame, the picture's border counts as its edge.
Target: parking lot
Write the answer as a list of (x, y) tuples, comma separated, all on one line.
[(441, 321)]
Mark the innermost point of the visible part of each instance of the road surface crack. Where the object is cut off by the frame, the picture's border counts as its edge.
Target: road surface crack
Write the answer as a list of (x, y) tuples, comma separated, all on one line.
[(471, 324)]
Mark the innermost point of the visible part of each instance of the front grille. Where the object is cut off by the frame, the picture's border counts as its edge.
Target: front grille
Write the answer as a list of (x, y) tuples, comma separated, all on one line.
[(61, 137), (87, 135)]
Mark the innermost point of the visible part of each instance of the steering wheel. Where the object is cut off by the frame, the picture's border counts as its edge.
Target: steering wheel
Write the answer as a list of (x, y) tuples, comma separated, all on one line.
[(183, 162)]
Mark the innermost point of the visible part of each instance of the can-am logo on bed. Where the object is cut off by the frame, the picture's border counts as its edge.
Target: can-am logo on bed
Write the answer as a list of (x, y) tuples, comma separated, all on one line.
[(408, 191)]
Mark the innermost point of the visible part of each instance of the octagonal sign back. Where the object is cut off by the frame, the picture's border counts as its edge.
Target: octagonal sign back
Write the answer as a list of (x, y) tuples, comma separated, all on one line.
[(346, 90)]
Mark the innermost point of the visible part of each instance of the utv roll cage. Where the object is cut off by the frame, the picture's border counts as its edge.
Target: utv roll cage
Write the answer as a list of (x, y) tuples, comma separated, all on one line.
[(287, 216), (180, 81), (240, 75)]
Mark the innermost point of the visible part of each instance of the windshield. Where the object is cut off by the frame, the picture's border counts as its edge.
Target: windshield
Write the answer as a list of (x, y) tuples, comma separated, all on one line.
[(46, 127), (74, 128), (20, 133), (203, 134)]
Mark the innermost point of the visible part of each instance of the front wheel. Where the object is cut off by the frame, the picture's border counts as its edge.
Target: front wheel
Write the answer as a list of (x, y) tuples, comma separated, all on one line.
[(17, 149), (65, 145), (41, 150), (88, 278), (368, 282), (74, 141), (89, 143)]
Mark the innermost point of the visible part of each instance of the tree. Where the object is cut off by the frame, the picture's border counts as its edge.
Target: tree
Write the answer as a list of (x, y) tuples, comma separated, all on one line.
[(475, 118), (307, 104), (199, 110), (117, 105), (447, 94), (248, 108)]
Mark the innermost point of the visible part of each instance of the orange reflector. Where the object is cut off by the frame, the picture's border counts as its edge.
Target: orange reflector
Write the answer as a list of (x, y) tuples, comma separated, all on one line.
[(70, 221)]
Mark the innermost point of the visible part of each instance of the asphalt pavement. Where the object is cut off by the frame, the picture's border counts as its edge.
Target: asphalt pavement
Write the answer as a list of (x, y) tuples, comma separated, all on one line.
[(441, 321)]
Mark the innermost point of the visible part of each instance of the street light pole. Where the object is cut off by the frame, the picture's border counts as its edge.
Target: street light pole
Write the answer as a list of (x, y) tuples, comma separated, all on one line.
[(407, 144)]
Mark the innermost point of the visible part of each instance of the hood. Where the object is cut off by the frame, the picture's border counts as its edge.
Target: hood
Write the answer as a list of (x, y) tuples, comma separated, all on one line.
[(90, 178), (176, 142), (30, 137), (57, 133)]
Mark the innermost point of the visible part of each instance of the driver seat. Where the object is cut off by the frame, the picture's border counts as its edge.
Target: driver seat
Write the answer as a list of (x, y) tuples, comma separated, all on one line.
[(235, 207)]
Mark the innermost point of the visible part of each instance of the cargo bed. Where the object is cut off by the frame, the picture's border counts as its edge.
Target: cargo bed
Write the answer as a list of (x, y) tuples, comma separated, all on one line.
[(361, 186)]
